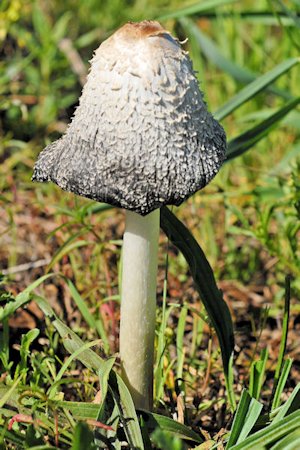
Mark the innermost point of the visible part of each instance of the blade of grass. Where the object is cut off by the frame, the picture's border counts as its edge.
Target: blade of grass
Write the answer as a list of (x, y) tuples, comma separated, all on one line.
[(281, 382), (22, 298), (215, 56), (205, 282), (71, 341), (246, 415), (248, 139), (74, 355), (88, 317), (286, 409), (108, 412), (290, 442), (255, 87), (198, 7), (160, 371), (285, 325), (90, 359), (179, 343), (127, 413), (67, 247), (257, 374), (263, 17), (270, 434), (253, 414)]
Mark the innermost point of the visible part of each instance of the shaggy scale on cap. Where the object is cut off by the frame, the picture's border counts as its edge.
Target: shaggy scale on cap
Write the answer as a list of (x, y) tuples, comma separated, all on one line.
[(141, 136)]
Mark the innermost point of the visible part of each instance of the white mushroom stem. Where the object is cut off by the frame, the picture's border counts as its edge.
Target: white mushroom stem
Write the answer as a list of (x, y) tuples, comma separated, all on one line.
[(138, 305)]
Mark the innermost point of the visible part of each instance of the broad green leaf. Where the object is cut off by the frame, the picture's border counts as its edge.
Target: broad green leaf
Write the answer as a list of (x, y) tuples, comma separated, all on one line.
[(83, 437), (255, 87), (248, 139), (84, 410), (80, 410), (198, 7), (204, 280), (153, 421), (164, 439), (270, 434)]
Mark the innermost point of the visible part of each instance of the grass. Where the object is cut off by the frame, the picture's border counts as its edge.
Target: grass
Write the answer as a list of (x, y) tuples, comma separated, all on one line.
[(59, 334)]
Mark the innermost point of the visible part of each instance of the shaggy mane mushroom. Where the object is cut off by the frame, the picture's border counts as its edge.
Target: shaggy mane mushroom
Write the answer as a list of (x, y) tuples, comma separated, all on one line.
[(140, 138)]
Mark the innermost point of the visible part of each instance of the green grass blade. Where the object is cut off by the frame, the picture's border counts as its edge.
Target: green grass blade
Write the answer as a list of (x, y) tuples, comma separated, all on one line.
[(104, 377), (292, 404), (229, 382), (281, 382), (270, 434), (248, 139), (108, 412), (239, 418), (255, 87), (21, 299), (71, 341), (245, 418), (88, 317), (179, 342), (67, 247), (74, 355), (257, 374), (216, 57), (283, 341), (204, 279), (253, 414), (197, 8), (128, 416), (255, 17), (290, 442), (90, 359)]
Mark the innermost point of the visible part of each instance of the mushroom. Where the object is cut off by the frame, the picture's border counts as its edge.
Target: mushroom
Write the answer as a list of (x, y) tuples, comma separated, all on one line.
[(140, 138)]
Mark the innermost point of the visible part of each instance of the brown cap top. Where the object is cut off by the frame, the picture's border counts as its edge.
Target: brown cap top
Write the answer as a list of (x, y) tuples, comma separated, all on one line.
[(142, 136), (139, 30)]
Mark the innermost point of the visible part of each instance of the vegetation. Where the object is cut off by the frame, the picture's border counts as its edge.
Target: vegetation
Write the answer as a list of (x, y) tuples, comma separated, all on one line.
[(59, 254)]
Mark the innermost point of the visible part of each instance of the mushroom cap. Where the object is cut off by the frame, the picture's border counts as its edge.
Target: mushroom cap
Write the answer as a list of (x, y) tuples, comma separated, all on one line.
[(141, 136)]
